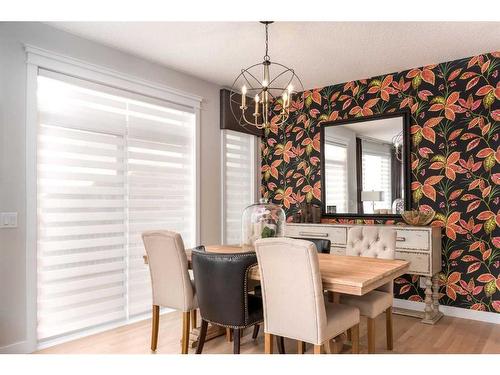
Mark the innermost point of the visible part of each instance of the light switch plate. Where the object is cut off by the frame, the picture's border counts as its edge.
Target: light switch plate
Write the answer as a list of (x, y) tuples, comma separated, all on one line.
[(8, 219)]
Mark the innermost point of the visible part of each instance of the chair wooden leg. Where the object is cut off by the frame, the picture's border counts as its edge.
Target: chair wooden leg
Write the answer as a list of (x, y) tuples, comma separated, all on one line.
[(280, 342), (185, 332), (255, 331), (371, 335), (202, 336), (268, 343), (155, 326), (355, 338), (301, 347), (236, 339), (349, 335), (229, 334), (317, 349), (194, 320), (388, 328)]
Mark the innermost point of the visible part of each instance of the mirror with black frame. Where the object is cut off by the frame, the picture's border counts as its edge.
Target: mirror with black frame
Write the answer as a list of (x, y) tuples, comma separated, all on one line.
[(366, 166)]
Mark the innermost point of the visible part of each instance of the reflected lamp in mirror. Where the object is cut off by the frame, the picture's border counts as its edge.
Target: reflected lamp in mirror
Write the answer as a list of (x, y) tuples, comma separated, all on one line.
[(372, 196)]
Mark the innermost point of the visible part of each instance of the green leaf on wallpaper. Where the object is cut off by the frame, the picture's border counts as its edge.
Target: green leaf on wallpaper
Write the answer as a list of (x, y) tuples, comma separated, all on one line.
[(323, 117), (489, 225), (439, 100), (490, 288), (417, 195), (309, 148), (417, 138), (489, 99), (489, 162), (267, 174), (440, 158), (309, 196), (416, 81), (308, 101)]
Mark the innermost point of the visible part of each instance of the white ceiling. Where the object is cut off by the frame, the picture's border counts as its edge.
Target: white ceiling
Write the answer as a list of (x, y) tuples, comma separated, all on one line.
[(321, 53)]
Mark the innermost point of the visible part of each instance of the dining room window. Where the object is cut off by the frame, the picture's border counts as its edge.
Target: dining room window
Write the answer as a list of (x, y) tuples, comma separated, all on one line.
[(240, 161), (336, 175), (110, 165)]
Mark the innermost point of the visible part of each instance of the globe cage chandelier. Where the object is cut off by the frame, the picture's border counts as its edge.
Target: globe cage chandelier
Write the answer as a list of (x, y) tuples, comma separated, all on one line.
[(267, 83)]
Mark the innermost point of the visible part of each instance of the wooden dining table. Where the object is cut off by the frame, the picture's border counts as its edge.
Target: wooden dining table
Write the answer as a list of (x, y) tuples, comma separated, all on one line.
[(339, 274)]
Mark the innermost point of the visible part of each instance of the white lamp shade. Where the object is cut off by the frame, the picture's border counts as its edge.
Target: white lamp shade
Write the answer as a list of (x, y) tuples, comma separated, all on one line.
[(372, 196)]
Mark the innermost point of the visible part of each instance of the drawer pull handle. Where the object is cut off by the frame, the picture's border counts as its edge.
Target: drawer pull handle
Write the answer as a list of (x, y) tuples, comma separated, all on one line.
[(312, 234), (400, 239)]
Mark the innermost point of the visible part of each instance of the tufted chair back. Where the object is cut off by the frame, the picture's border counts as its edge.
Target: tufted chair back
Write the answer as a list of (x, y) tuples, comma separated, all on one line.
[(168, 267), (291, 289), (372, 242)]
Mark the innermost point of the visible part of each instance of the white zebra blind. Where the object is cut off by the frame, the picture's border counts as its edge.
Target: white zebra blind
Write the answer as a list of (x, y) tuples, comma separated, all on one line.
[(376, 160), (109, 167), (239, 181), (336, 175)]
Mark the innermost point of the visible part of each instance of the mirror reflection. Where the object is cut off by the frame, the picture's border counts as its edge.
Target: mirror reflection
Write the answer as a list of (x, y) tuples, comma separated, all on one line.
[(364, 167)]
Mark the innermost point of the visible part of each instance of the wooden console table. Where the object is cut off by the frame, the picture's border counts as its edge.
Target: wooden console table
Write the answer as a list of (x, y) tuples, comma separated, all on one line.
[(420, 246)]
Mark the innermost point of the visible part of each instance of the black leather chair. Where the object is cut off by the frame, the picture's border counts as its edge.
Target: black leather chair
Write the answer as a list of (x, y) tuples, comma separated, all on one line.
[(322, 245), (222, 293)]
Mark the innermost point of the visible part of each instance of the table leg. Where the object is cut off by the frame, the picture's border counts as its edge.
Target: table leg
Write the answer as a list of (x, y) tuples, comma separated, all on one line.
[(431, 312), (428, 299)]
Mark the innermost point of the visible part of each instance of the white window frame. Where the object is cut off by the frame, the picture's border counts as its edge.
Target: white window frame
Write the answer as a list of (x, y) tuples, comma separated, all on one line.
[(37, 58), (256, 181)]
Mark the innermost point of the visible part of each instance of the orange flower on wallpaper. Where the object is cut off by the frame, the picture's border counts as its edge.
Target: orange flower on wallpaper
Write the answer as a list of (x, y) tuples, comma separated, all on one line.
[(427, 188), (450, 284), (312, 191), (383, 87), (366, 110), (286, 151), (286, 196), (448, 104), (449, 164), (450, 224), (418, 75)]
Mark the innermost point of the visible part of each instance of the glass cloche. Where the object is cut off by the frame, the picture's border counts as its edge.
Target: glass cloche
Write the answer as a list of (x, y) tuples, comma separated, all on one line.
[(261, 220)]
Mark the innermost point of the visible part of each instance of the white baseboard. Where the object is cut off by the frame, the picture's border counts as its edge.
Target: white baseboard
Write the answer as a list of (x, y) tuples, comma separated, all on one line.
[(457, 312), (21, 347)]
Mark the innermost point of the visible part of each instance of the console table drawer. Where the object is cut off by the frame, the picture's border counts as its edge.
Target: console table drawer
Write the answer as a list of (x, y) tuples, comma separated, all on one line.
[(336, 235), (420, 263), (411, 239)]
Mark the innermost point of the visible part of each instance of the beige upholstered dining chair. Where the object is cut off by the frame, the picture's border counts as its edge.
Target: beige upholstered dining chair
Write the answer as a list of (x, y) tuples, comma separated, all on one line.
[(171, 284), (373, 242), (292, 293)]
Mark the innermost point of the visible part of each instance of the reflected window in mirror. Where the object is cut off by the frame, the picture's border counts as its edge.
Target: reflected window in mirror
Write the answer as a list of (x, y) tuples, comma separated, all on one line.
[(336, 175)]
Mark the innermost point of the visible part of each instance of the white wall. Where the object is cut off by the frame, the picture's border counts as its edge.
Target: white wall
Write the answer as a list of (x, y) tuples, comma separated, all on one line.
[(12, 150)]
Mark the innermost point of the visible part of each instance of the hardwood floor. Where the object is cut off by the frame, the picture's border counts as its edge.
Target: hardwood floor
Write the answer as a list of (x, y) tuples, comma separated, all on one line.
[(450, 335)]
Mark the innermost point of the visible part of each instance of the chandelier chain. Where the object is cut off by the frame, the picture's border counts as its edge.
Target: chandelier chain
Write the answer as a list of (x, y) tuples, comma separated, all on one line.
[(266, 56)]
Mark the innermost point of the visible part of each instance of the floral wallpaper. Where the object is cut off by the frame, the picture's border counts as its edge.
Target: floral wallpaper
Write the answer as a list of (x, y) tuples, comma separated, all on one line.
[(455, 155)]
